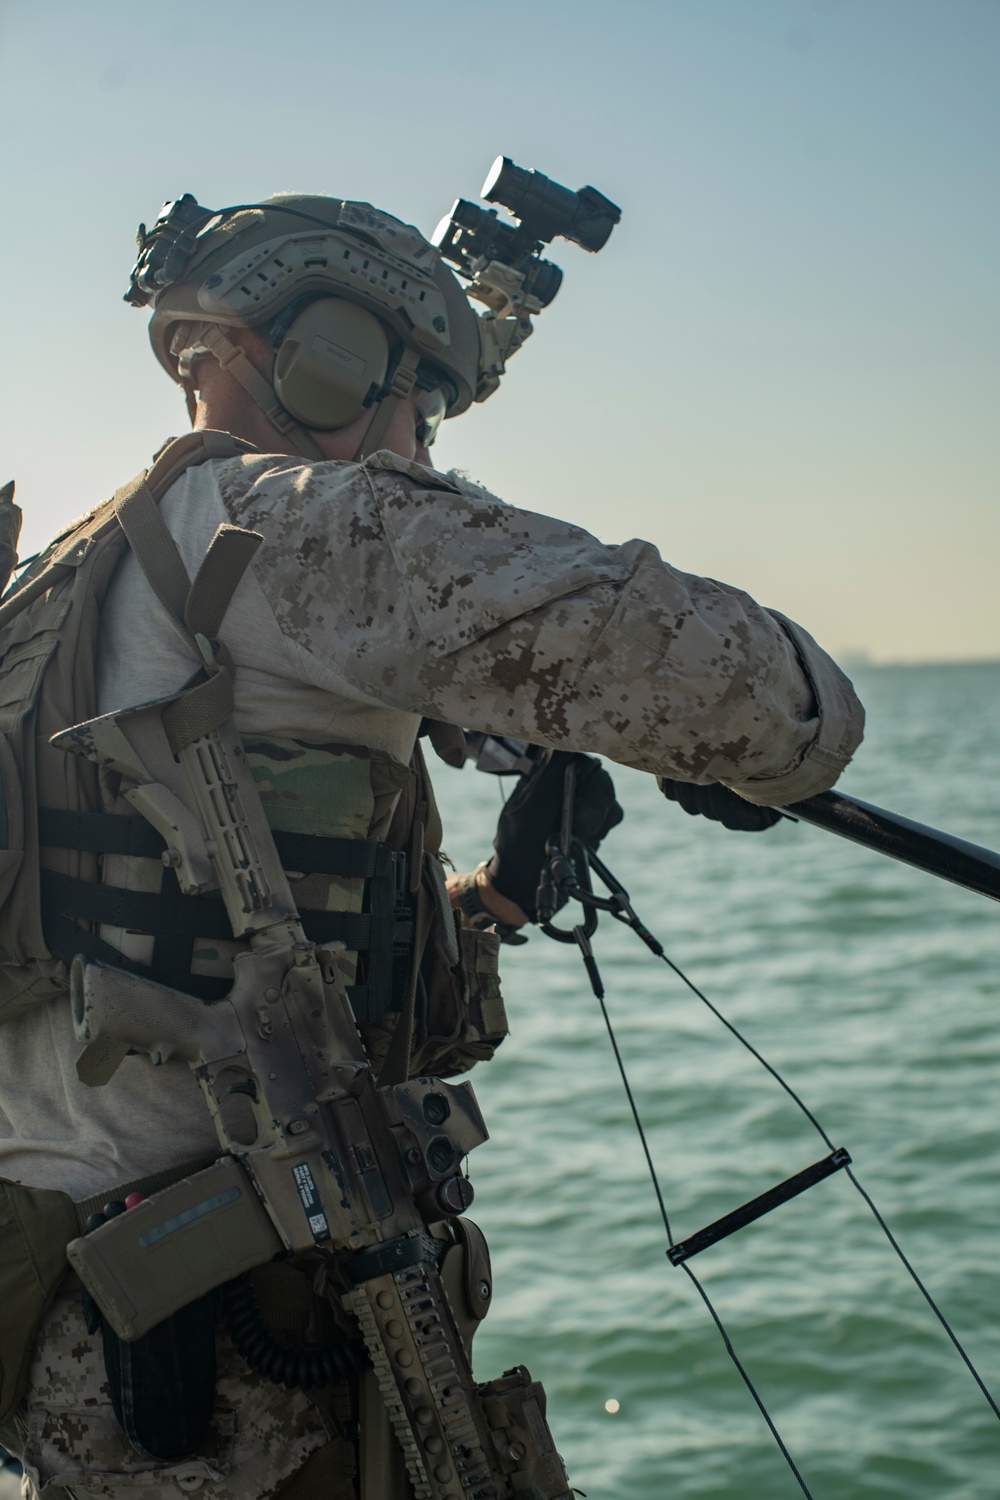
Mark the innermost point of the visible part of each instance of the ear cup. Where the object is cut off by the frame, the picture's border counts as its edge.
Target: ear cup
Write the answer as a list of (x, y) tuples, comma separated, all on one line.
[(332, 356)]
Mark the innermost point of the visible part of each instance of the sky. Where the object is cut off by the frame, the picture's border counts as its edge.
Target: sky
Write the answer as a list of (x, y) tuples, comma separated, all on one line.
[(783, 368)]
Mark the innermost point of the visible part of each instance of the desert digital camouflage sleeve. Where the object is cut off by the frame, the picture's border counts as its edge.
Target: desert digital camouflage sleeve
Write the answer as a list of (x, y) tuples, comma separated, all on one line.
[(429, 595)]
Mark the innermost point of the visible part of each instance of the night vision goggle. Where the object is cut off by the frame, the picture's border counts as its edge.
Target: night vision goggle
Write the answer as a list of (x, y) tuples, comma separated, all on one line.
[(502, 262)]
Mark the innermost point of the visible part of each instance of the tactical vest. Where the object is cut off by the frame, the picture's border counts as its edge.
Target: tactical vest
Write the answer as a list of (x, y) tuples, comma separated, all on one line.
[(358, 832)]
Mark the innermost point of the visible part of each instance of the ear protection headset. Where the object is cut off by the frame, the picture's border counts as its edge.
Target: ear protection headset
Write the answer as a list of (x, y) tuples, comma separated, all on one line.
[(332, 362)]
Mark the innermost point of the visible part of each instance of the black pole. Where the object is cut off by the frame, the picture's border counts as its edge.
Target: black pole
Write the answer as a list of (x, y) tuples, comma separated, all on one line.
[(938, 853)]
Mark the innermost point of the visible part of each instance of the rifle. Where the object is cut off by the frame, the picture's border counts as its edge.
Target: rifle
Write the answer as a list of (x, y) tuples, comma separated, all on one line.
[(325, 1158)]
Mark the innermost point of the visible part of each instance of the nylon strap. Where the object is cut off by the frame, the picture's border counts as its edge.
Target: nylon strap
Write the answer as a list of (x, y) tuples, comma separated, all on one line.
[(65, 940), (198, 711), (145, 1185), (174, 457), (195, 610), (162, 913), (396, 1063), (148, 536), (229, 554), (233, 360), (117, 833)]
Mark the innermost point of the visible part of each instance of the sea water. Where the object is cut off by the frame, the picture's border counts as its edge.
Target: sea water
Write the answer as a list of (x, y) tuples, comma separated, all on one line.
[(873, 989)]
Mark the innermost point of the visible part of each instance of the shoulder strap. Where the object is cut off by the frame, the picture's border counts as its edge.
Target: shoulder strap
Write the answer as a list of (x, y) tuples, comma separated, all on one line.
[(137, 508), (68, 550), (196, 610), (192, 448)]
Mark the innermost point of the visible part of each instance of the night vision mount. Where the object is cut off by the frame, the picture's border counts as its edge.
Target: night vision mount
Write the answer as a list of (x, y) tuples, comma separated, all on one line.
[(502, 262)]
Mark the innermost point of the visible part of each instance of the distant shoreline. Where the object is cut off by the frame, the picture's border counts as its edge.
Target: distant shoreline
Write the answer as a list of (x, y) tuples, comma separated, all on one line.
[(855, 663)]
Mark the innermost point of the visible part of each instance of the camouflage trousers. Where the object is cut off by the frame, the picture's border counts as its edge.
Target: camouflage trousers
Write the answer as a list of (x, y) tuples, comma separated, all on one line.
[(262, 1439)]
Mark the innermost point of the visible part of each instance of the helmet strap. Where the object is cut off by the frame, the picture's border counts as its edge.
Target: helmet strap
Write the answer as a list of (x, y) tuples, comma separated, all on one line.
[(233, 360), (403, 380)]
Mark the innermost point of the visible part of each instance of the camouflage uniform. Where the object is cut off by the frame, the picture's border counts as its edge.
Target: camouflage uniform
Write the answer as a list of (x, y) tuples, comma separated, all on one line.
[(261, 1434), (392, 591), (383, 593)]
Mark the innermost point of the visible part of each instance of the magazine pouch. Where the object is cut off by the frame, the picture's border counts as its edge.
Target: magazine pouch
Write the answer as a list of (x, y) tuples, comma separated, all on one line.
[(162, 1385)]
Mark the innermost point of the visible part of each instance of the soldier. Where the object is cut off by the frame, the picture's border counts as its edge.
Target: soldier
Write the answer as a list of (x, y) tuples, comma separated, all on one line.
[(331, 340)]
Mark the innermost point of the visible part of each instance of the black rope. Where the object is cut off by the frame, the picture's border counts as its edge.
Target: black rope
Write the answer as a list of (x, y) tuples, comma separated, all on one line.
[(620, 908), (638, 1121), (925, 1293), (906, 1263), (789, 1460), (751, 1049), (727, 1341)]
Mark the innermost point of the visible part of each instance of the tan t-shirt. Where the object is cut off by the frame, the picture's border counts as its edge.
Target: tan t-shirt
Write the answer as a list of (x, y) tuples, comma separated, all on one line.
[(386, 592)]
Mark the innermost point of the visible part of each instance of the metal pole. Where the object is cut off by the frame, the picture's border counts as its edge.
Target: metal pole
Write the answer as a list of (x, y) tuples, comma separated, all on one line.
[(929, 849)]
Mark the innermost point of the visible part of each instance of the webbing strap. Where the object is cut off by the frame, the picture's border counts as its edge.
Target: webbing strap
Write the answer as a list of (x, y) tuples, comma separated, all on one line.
[(402, 384), (170, 914), (99, 833), (194, 609), (137, 508), (233, 360), (197, 607), (229, 555), (65, 940), (113, 833), (396, 1063), (145, 1185), (199, 710), (155, 913), (149, 537)]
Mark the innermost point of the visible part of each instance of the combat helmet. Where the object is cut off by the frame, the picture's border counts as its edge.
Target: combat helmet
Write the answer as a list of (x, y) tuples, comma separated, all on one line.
[(359, 306)]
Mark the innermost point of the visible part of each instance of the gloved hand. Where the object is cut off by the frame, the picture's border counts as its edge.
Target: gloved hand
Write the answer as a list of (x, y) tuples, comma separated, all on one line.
[(533, 813), (720, 804)]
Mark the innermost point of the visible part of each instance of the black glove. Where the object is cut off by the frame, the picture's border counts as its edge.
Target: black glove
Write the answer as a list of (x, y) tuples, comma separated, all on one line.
[(719, 803), (533, 813)]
